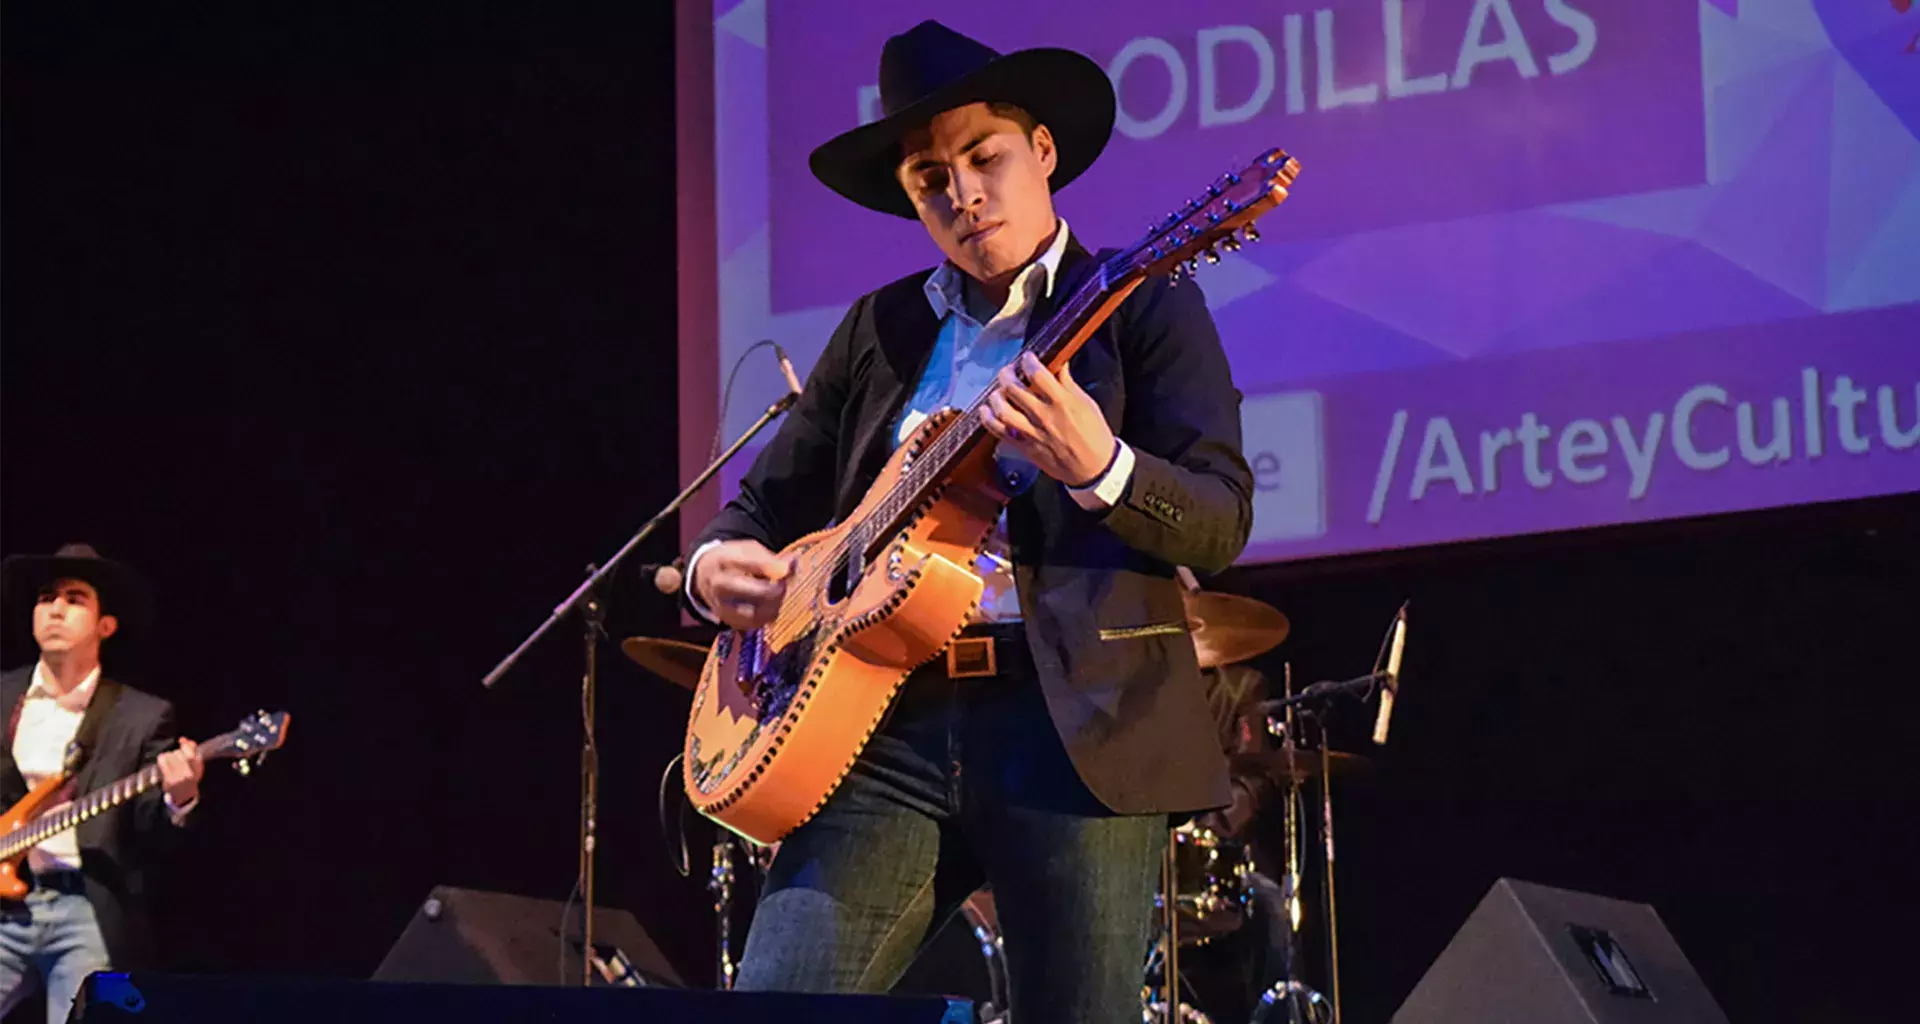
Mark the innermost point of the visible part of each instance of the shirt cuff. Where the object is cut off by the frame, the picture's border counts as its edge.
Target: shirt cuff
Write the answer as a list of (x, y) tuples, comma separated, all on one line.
[(178, 814), (692, 601), (1105, 492)]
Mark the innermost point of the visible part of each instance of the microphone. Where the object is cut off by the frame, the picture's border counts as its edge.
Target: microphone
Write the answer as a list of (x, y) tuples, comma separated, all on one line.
[(1392, 685), (667, 577), (786, 370)]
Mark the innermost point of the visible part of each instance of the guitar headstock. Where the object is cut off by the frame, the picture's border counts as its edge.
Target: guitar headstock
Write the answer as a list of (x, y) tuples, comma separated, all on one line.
[(250, 741), (1217, 219)]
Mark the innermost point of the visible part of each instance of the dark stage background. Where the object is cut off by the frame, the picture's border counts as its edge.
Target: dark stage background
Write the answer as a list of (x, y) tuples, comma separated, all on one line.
[(353, 325)]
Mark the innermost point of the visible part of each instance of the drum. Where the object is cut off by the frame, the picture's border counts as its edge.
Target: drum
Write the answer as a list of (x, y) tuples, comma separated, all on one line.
[(1210, 883)]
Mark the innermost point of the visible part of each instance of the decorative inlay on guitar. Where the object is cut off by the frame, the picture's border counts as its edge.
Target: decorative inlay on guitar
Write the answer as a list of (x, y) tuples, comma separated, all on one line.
[(782, 712)]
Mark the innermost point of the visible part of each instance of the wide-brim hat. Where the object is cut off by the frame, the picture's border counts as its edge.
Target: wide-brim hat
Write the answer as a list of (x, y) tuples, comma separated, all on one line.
[(930, 69), (124, 593)]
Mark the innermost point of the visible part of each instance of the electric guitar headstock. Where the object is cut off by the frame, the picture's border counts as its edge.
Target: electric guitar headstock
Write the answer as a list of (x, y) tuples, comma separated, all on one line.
[(250, 741), (1218, 219)]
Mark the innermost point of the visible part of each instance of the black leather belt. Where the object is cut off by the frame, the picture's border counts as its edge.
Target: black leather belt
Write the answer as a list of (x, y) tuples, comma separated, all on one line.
[(57, 881)]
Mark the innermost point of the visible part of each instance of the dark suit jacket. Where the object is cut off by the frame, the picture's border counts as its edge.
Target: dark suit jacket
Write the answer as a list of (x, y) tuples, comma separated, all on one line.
[(1097, 591), (115, 845)]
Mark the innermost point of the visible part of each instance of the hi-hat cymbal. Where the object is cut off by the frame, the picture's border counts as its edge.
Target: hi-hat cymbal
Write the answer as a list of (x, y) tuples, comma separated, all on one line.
[(1228, 628), (676, 661), (1304, 765)]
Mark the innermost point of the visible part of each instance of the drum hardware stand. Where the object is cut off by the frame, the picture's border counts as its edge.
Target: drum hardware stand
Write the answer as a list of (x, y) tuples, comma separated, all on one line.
[(585, 599), (1170, 928), (1316, 701), (1301, 1001), (721, 885), (1168, 1009)]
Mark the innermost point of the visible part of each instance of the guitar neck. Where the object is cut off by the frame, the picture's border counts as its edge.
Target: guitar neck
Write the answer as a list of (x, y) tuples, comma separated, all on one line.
[(1053, 344), (106, 798), (101, 800)]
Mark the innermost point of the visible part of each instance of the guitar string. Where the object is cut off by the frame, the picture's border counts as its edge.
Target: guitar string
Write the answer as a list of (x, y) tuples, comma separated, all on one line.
[(942, 448)]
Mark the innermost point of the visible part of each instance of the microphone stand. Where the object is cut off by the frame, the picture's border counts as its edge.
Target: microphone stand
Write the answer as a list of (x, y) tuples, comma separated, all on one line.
[(585, 598)]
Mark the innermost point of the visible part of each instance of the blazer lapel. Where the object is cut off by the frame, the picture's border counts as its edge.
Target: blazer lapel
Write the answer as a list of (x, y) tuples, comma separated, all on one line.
[(1075, 264), (93, 729), (13, 686), (902, 335)]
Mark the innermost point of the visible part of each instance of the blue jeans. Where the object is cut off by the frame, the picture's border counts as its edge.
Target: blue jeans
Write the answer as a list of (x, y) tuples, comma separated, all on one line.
[(54, 935), (966, 783)]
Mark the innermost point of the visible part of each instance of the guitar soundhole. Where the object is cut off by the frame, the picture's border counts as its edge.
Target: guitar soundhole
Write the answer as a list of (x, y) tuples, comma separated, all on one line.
[(840, 582)]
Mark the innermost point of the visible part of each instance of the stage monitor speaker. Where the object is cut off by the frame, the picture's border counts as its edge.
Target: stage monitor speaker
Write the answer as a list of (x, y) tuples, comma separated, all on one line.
[(1534, 954), (114, 998), (470, 936)]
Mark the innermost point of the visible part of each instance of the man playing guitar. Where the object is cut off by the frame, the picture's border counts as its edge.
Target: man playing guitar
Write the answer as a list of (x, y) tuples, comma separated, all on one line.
[(1046, 752), (82, 912)]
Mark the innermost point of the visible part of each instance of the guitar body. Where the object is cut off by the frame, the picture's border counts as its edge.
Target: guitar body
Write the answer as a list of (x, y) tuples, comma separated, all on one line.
[(767, 742), (12, 887)]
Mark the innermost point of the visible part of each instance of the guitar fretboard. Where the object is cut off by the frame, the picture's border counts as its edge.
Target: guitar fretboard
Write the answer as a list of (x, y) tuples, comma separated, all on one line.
[(945, 452), (99, 801)]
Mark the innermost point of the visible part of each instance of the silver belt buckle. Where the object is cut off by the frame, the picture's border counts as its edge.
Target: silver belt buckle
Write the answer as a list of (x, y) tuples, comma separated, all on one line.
[(972, 658)]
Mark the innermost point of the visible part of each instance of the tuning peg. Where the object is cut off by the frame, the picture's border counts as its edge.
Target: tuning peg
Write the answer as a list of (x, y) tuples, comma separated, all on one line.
[(1193, 265), (243, 766), (1212, 257), (1231, 243), (1253, 233), (1173, 279)]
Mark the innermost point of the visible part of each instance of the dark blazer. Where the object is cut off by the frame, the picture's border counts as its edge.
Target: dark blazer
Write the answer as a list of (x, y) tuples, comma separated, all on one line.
[(1101, 604), (114, 846)]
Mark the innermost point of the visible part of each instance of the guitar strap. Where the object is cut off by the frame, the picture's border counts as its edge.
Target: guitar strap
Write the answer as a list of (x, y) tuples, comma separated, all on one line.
[(105, 696)]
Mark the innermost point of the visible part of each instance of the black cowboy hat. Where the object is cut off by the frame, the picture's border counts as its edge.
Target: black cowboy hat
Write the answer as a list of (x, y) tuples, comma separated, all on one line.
[(123, 593), (930, 69)]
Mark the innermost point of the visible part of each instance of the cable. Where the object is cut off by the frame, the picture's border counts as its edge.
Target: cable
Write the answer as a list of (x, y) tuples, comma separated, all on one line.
[(683, 863), (726, 394), (567, 908)]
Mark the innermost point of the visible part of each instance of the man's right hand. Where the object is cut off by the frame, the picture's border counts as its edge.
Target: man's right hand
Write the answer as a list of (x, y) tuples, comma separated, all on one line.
[(741, 582)]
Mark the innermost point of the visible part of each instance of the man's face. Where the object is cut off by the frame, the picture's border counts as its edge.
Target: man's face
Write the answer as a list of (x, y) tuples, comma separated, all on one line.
[(67, 618), (980, 187)]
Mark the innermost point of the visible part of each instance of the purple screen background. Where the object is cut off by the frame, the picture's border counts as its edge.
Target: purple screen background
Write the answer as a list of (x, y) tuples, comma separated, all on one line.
[(1549, 264)]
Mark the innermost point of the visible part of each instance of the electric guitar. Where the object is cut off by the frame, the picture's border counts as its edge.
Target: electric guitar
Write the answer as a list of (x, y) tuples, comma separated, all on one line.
[(23, 827), (781, 712)]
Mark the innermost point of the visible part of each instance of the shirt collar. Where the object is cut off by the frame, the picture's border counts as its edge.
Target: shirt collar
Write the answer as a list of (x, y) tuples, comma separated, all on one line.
[(946, 287), (76, 699)]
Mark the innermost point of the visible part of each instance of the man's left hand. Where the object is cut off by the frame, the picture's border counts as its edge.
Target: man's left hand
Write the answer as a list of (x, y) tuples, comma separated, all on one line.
[(1049, 421), (180, 772)]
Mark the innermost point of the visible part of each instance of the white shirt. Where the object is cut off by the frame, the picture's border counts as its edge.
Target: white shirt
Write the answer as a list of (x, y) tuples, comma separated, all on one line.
[(48, 725), (966, 356)]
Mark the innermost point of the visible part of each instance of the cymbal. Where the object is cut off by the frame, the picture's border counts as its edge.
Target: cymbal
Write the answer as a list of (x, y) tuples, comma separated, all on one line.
[(676, 661), (1306, 764), (1228, 628)]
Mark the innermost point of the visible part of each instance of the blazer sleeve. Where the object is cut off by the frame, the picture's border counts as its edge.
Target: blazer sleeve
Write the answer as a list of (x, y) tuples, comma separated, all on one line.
[(788, 492), (149, 809), (1190, 499)]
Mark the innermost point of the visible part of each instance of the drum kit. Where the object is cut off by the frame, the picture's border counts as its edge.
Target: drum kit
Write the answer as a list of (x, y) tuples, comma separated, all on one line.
[(1211, 886)]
